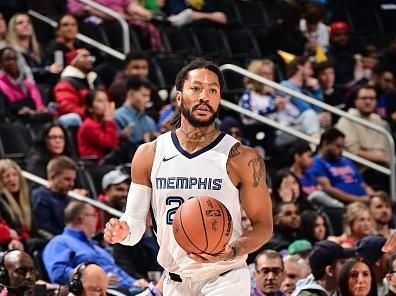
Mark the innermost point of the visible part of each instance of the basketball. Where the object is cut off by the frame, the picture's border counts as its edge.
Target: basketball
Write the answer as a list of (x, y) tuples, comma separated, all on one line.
[(202, 225)]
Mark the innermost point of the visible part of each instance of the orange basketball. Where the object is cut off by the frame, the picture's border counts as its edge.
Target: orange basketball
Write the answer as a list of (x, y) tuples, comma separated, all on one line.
[(202, 225)]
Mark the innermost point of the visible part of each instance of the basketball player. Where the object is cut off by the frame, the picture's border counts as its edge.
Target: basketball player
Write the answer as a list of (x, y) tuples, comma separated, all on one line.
[(195, 160)]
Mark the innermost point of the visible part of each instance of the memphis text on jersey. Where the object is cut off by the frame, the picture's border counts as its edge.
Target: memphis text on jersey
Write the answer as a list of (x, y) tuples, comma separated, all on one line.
[(189, 183)]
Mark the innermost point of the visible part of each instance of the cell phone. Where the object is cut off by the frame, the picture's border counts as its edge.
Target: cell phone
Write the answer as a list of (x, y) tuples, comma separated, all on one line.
[(58, 57)]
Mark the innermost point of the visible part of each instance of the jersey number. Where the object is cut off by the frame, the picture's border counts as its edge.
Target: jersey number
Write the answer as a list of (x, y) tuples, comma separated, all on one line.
[(175, 202)]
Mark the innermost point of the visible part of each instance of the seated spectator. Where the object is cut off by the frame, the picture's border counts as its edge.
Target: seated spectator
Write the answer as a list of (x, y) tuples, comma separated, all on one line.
[(296, 269), (265, 101), (380, 207), (168, 113), (268, 274), (325, 73), (369, 249), (183, 13), (358, 224), (300, 247), (388, 56), (383, 81), (115, 185), (338, 176), (315, 226), (286, 188), (302, 160), (77, 79), (49, 203), (287, 222), (360, 140), (20, 97), (133, 12), (50, 143), (299, 74), (98, 133), (87, 279), (22, 37), (136, 63), (357, 278), (233, 127), (391, 274), (20, 276), (312, 26), (81, 220), (341, 54), (325, 261), (15, 210), (132, 121)]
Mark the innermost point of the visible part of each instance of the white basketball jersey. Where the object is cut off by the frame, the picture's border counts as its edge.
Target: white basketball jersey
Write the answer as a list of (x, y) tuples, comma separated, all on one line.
[(178, 175)]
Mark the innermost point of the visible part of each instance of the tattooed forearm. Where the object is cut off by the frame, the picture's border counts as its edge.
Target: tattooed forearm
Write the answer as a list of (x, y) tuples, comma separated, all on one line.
[(258, 167), (234, 150)]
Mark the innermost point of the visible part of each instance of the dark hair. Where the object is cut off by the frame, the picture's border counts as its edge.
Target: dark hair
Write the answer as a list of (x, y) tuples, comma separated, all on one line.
[(7, 47), (40, 147), (89, 99), (319, 67), (269, 254), (73, 210), (59, 19), (198, 63), (134, 55), (313, 13), (330, 135), (277, 207), (345, 273), (380, 69), (292, 68), (135, 82), (298, 148), (365, 86), (308, 220), (389, 262), (276, 184)]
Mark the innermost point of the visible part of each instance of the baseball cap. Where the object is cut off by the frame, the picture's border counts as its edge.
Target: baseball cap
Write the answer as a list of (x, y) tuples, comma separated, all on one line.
[(113, 177), (369, 248), (326, 252), (299, 246)]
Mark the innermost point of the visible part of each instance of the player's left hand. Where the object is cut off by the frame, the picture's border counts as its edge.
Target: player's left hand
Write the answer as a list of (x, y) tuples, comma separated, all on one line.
[(224, 255)]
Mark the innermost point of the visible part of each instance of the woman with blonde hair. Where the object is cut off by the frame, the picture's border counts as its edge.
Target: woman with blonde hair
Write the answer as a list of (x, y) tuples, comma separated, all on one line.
[(21, 36), (15, 207), (358, 224)]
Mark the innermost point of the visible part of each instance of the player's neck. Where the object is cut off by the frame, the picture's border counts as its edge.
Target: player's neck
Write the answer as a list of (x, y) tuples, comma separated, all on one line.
[(194, 138)]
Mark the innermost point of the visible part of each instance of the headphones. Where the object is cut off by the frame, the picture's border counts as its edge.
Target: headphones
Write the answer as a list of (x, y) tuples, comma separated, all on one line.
[(4, 278), (75, 285)]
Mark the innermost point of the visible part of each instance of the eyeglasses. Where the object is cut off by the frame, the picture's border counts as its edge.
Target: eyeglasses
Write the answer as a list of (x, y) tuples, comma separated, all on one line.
[(266, 271), (55, 137)]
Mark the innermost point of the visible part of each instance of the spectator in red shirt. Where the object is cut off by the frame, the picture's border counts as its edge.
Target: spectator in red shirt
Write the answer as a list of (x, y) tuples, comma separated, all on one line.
[(77, 79), (98, 134)]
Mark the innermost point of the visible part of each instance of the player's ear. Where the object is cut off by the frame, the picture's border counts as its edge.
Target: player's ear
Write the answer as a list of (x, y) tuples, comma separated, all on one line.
[(178, 97)]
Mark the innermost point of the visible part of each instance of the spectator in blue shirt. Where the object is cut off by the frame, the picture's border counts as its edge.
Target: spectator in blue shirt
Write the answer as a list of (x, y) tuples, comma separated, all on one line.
[(59, 261), (338, 176), (132, 121), (49, 203)]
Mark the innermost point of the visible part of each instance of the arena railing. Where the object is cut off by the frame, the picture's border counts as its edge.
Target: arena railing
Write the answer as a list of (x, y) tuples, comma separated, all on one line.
[(33, 178), (388, 171), (108, 50)]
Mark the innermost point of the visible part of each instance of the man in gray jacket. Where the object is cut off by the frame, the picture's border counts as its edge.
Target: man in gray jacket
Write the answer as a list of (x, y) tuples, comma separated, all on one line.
[(325, 261)]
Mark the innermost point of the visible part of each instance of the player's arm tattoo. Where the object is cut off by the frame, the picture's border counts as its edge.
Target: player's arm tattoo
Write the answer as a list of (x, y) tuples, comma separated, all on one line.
[(258, 167), (234, 150)]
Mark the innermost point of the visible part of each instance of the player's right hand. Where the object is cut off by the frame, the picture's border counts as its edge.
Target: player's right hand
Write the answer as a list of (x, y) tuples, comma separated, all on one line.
[(115, 231)]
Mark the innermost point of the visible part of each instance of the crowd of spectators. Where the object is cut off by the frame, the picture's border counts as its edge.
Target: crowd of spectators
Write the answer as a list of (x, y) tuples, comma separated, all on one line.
[(84, 112)]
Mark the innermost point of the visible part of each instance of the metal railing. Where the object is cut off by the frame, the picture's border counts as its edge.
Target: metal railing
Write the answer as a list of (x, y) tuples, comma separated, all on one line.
[(108, 50), (74, 195), (391, 171), (118, 17)]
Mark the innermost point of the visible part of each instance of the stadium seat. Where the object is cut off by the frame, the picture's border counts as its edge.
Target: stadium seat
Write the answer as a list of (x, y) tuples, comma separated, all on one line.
[(179, 41), (242, 45), (211, 42), (168, 67), (252, 14), (234, 87), (15, 142), (93, 177)]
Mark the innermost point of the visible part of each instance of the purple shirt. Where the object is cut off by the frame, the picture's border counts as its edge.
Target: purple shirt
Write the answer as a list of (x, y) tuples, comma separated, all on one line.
[(73, 6)]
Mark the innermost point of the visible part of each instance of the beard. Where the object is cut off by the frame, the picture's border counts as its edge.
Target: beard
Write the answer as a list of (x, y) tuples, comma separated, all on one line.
[(194, 121)]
